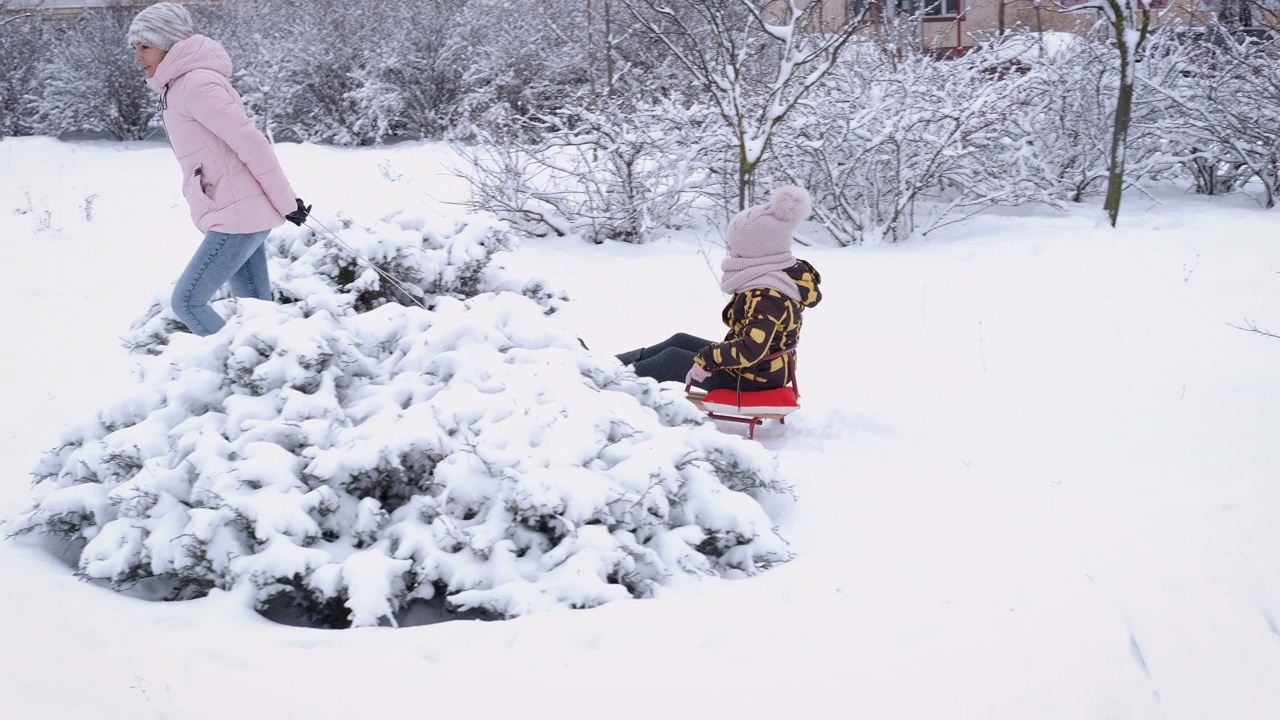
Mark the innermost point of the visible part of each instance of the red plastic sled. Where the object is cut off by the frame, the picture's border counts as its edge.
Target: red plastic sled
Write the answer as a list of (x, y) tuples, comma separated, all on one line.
[(754, 406)]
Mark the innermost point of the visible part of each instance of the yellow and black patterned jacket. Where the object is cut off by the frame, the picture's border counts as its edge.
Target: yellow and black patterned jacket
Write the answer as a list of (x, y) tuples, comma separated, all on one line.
[(762, 322)]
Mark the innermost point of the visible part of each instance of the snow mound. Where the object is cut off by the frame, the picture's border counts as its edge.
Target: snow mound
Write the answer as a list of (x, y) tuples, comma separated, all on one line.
[(349, 455)]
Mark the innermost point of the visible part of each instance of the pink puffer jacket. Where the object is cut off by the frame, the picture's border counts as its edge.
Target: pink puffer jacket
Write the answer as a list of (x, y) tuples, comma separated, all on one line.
[(230, 175)]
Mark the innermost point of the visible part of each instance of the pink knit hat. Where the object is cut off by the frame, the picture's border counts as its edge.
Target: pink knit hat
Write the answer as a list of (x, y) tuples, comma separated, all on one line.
[(766, 230)]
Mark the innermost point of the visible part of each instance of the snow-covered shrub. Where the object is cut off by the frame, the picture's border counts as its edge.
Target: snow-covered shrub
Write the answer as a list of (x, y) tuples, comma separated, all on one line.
[(897, 143), (520, 60), (343, 268), (623, 172), (378, 82), (271, 44), (1064, 110), (88, 81), (22, 49), (1219, 108), (894, 143), (754, 62), (352, 456), (361, 72)]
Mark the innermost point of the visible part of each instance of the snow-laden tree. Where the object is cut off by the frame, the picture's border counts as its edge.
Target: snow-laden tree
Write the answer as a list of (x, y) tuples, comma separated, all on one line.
[(1219, 109), (1064, 114), (22, 49), (521, 60), (1242, 117), (420, 78), (89, 81), (619, 171), (310, 71), (895, 144), (350, 456), (262, 39), (358, 72), (319, 76), (1066, 108), (755, 60)]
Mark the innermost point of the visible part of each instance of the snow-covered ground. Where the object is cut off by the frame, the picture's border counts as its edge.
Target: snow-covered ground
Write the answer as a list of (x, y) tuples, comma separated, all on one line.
[(1038, 475)]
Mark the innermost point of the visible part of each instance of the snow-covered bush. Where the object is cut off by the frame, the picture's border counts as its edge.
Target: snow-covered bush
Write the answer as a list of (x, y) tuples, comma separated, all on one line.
[(270, 44), (753, 61), (361, 72), (1219, 108), (22, 49), (340, 269), (299, 84), (895, 144), (1065, 108), (352, 456), (622, 172), (88, 81), (520, 60)]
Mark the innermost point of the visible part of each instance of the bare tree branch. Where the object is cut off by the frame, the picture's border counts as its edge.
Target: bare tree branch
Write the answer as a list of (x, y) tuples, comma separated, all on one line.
[(29, 11), (1252, 326)]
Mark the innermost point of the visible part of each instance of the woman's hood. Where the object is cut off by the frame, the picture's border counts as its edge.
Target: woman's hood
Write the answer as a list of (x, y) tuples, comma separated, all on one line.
[(195, 53)]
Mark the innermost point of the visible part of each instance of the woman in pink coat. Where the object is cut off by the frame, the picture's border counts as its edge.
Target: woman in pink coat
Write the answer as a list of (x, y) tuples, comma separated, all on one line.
[(231, 178)]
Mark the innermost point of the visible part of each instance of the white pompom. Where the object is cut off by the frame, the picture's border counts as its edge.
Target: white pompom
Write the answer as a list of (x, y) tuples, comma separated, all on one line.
[(790, 204)]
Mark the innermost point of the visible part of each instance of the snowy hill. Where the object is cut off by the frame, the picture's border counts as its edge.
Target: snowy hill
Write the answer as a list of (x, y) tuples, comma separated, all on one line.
[(1035, 475)]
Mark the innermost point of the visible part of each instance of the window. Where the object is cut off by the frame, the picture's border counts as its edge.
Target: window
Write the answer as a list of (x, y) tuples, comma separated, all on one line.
[(872, 8), (930, 8)]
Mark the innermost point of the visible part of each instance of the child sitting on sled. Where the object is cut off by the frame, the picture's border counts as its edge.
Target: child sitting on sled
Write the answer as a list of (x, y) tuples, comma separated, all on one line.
[(770, 290)]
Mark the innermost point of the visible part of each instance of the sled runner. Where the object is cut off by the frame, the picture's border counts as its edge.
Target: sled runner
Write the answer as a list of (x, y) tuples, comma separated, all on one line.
[(752, 407)]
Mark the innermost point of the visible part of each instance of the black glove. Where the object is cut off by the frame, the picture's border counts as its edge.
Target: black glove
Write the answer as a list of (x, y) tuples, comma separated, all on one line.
[(299, 216)]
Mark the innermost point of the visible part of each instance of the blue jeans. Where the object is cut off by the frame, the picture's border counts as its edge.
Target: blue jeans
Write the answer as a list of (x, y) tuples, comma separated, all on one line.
[(221, 258)]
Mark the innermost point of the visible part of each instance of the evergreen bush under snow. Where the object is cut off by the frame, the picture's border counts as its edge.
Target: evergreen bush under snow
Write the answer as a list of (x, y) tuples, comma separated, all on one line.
[(350, 453)]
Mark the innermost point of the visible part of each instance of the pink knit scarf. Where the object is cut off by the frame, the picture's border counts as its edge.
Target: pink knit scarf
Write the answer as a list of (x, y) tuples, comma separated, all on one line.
[(740, 274)]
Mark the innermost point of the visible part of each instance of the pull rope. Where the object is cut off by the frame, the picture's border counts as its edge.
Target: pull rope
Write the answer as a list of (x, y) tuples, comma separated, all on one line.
[(320, 229)]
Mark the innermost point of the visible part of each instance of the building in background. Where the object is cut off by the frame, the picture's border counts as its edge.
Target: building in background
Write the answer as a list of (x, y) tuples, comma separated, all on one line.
[(945, 26), (61, 7), (72, 7), (953, 26)]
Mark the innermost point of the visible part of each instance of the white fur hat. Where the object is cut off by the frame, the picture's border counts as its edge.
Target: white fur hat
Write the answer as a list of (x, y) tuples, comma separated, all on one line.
[(161, 26), (766, 229)]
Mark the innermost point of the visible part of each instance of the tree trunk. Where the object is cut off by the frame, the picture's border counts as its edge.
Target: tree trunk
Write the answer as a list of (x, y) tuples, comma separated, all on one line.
[(1124, 17), (591, 49), (1119, 137), (608, 47)]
